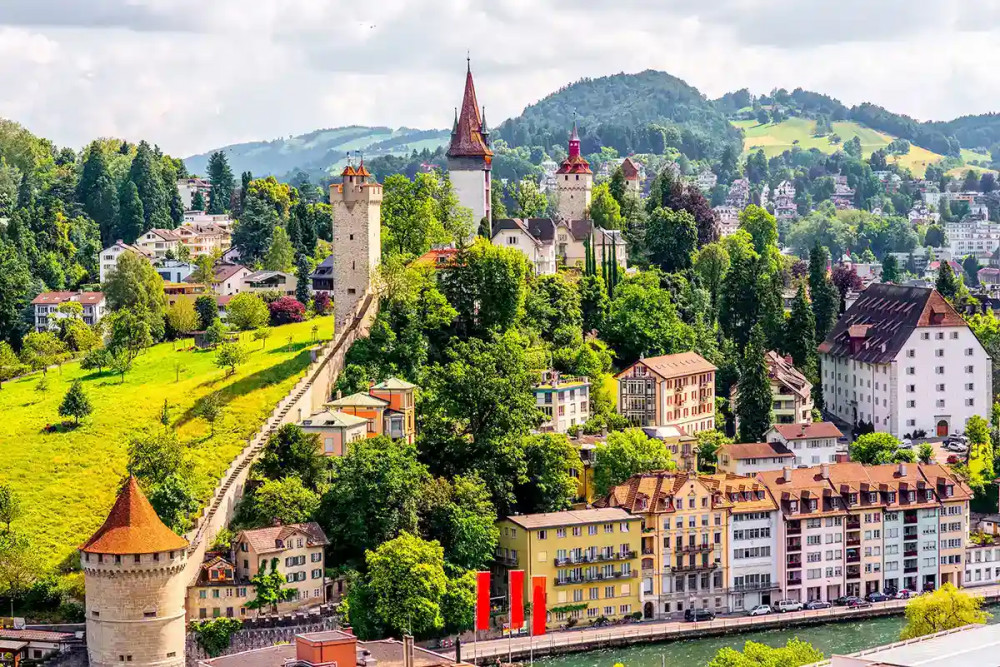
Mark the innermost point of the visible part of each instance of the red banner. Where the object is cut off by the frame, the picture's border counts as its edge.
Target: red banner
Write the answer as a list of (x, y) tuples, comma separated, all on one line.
[(482, 601), (538, 610), (516, 598)]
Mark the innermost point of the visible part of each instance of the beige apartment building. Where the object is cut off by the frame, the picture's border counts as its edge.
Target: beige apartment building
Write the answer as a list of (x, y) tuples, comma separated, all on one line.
[(296, 550), (671, 390)]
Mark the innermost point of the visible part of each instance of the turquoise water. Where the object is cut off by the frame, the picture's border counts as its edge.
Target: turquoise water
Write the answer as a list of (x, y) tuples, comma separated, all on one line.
[(831, 638)]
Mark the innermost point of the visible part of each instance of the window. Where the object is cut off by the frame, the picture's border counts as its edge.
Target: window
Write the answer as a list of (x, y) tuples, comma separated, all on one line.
[(939, 352), (910, 370), (542, 534), (968, 352), (939, 335), (925, 336), (911, 404), (560, 532), (939, 403), (939, 370), (910, 388), (910, 354)]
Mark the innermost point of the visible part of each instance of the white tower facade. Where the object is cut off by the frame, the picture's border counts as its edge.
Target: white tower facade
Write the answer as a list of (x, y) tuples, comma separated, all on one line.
[(574, 183), (470, 159), (356, 205)]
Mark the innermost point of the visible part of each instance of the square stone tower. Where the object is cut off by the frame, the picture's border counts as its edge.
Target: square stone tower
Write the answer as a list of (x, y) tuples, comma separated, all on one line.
[(574, 183), (356, 205)]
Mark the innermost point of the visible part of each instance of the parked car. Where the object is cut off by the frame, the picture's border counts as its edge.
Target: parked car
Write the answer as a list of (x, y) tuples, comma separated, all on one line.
[(787, 605), (906, 444), (842, 600), (817, 604), (699, 615), (904, 594), (858, 603), (759, 610), (875, 596)]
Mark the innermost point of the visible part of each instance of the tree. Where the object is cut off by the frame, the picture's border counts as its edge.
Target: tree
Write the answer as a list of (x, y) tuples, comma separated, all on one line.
[(247, 311), (207, 309), (286, 310), (269, 588), (285, 500), (552, 302), (373, 496), (280, 253), (947, 283), (890, 269), (459, 515), (174, 501), (292, 451), (825, 301), (743, 289), (708, 447), (210, 409), (943, 609), (970, 267), (262, 334), (407, 581), (128, 333), (671, 238), (594, 302), (10, 365), (302, 272), (934, 236), (762, 117), (215, 333), (204, 271), (253, 231), (15, 285), (182, 317), (221, 177), (486, 287), (198, 201), (627, 453), (800, 334), (145, 174), (96, 189), (643, 320), (794, 653), (135, 285), (874, 449), (230, 355), (711, 265), (458, 604), (925, 453), (528, 201), (987, 182), (977, 430), (846, 279), (76, 403), (550, 460), (131, 217), (39, 350), (153, 456), (753, 403), (605, 210), (10, 506)]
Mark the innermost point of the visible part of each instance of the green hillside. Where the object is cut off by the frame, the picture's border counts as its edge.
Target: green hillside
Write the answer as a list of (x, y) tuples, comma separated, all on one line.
[(67, 481), (322, 152)]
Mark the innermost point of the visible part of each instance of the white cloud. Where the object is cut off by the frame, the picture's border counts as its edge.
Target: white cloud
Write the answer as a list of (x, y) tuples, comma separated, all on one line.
[(192, 75)]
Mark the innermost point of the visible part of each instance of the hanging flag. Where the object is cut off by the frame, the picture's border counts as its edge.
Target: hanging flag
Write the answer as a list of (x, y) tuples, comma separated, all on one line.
[(538, 610), (482, 601), (516, 598)]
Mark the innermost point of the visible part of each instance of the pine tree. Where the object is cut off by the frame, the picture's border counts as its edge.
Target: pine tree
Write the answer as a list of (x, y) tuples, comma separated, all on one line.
[(800, 334), (221, 177), (302, 272), (823, 293), (890, 269), (102, 205), (130, 213), (594, 301), (617, 186), (144, 173), (947, 284), (76, 404), (25, 192), (198, 201), (753, 403)]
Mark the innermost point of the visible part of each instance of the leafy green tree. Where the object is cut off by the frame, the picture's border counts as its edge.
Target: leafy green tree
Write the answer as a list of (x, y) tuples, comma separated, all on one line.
[(823, 294), (174, 501), (486, 288), (96, 190), (970, 266), (627, 453), (214, 635), (280, 253), (671, 238), (210, 409), (15, 285), (711, 265), (925, 453), (643, 320), (874, 449), (10, 506), (890, 269), (594, 302), (221, 177), (947, 283), (284, 500), (155, 455), (550, 486), (708, 447), (10, 365), (269, 588), (128, 333), (76, 403), (753, 403), (462, 428), (605, 210), (740, 300), (617, 186), (943, 609), (262, 334), (254, 229), (374, 495), (181, 316), (302, 272), (459, 515), (207, 309), (934, 236), (410, 215), (528, 201), (292, 451), (986, 327), (458, 604), (800, 334), (247, 311), (39, 350), (407, 582), (230, 355), (794, 653), (144, 173), (135, 285), (215, 333), (552, 302)]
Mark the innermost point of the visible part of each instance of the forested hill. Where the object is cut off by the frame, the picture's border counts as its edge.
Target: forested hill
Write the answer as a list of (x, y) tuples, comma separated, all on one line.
[(632, 113), (322, 152)]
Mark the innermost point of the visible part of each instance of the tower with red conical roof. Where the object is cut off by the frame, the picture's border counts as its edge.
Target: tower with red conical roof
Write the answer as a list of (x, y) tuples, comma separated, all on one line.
[(469, 156), (133, 569), (574, 182), (356, 205)]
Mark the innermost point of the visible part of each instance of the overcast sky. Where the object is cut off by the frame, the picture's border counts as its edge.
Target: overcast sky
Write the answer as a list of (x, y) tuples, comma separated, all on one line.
[(192, 75)]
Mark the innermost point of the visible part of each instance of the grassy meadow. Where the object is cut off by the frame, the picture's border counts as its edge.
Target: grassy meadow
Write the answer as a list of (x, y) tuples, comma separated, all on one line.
[(67, 479)]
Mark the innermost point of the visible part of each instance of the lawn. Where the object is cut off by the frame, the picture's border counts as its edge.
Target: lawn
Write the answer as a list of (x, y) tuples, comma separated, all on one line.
[(67, 480), (775, 138)]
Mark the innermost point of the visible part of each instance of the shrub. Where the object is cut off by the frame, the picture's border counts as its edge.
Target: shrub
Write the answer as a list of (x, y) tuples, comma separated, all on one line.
[(246, 311), (287, 310), (322, 303)]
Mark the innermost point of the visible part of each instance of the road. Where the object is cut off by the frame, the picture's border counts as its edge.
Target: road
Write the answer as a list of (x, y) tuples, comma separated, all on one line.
[(567, 641)]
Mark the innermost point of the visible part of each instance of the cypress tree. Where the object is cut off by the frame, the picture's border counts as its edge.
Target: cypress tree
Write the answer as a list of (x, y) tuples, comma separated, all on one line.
[(130, 213), (302, 277), (947, 284), (221, 177), (198, 201), (144, 173), (890, 269), (753, 404), (800, 334), (822, 291)]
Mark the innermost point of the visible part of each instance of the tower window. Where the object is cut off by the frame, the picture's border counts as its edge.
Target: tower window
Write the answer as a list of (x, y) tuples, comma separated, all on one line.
[(354, 266), (578, 177), (351, 290), (351, 237)]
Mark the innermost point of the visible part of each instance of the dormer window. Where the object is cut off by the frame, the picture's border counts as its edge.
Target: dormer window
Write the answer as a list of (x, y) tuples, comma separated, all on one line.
[(793, 506), (279, 544), (928, 494), (949, 490), (813, 504), (873, 496), (911, 496), (760, 495), (852, 498), (892, 496)]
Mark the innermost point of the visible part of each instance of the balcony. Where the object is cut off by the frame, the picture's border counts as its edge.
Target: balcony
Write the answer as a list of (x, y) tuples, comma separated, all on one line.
[(855, 558), (694, 548), (507, 560), (647, 552), (794, 581), (793, 562), (687, 567), (910, 553), (600, 557), (794, 528), (853, 572), (853, 523), (909, 518), (793, 544), (750, 588), (854, 542), (910, 570), (600, 576)]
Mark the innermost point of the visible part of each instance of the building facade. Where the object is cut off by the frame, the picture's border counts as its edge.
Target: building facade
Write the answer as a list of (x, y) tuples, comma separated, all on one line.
[(564, 400), (750, 458), (295, 550), (356, 203), (388, 408), (109, 257), (811, 444), (217, 592), (533, 237), (47, 312), (574, 183), (671, 390)]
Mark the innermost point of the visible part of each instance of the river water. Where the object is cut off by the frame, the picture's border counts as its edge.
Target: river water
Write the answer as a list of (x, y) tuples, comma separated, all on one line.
[(840, 638)]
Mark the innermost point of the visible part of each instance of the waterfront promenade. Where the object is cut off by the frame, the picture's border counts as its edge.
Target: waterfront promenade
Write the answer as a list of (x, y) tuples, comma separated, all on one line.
[(585, 639)]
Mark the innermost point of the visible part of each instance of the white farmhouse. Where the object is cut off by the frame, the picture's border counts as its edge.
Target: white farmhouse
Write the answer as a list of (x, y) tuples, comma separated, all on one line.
[(811, 444), (534, 237), (905, 360)]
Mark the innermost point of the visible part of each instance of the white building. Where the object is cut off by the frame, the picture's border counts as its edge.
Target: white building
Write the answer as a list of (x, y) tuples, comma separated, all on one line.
[(109, 257), (271, 281), (893, 340), (158, 242), (982, 564), (565, 401), (230, 279), (186, 187), (533, 237), (729, 219), (973, 236), (173, 270), (750, 458), (752, 577), (470, 159), (47, 304), (784, 201), (811, 444), (706, 180)]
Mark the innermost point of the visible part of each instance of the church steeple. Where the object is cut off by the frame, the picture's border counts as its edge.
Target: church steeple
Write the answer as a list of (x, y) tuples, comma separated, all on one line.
[(467, 140), (469, 155)]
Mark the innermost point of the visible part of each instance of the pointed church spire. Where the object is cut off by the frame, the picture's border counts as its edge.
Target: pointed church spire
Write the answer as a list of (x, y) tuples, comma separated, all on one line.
[(467, 140)]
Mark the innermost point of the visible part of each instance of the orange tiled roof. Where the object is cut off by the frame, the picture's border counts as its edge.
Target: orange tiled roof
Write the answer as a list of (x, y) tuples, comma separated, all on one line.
[(676, 365), (467, 138), (757, 450), (805, 431), (132, 527)]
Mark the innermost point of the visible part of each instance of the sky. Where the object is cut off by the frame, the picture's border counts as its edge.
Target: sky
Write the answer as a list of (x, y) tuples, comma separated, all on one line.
[(192, 75)]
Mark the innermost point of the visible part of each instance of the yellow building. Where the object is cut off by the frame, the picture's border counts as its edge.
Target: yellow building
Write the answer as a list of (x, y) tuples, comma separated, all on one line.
[(297, 551), (218, 592), (588, 557)]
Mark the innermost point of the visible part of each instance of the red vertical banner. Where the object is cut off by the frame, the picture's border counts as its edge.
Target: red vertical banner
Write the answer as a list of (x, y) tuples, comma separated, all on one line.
[(538, 611), (515, 597), (482, 601)]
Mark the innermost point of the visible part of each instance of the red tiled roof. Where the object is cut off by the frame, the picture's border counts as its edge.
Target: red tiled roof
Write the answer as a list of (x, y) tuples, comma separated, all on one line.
[(758, 450), (676, 365), (263, 540), (806, 431), (467, 138), (36, 635), (629, 169), (49, 298), (349, 171), (575, 165), (132, 527), (361, 170)]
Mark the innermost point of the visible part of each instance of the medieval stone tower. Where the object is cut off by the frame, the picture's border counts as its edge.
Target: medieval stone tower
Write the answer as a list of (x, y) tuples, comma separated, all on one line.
[(134, 573), (357, 239), (470, 159), (574, 182)]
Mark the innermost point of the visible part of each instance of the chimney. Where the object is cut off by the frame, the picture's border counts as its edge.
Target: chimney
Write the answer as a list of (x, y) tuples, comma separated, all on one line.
[(407, 650), (458, 650), (786, 474), (340, 394), (902, 469), (824, 471)]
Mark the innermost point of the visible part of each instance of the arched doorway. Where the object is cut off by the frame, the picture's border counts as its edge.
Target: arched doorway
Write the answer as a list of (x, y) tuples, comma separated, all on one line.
[(647, 610), (942, 428)]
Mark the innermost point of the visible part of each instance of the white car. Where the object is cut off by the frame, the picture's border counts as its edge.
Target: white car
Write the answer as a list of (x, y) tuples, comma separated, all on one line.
[(906, 444), (760, 610), (788, 605)]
